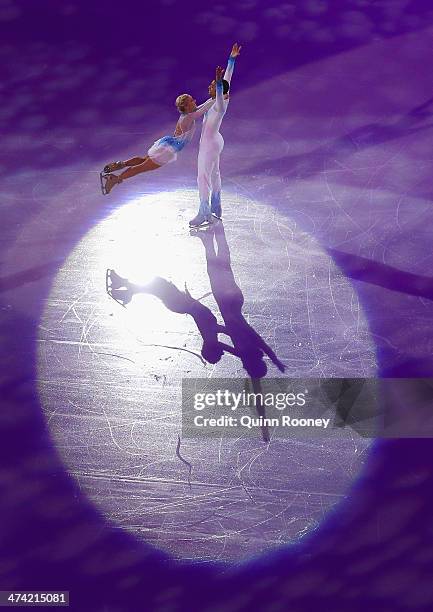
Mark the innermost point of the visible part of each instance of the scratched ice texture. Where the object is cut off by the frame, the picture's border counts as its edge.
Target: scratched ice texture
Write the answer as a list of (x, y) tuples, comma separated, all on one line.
[(332, 141), (288, 200), (110, 378)]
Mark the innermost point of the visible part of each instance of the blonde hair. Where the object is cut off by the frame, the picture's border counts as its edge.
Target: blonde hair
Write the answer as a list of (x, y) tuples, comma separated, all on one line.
[(180, 102)]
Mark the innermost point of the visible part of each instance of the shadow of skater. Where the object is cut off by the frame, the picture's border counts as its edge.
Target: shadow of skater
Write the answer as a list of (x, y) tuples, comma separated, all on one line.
[(247, 344), (122, 290)]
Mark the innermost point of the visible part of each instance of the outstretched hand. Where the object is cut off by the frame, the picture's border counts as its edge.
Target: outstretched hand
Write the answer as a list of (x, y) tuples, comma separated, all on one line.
[(236, 50), (219, 73)]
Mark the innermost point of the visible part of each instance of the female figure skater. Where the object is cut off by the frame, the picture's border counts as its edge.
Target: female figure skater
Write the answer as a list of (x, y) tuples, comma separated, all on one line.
[(164, 150)]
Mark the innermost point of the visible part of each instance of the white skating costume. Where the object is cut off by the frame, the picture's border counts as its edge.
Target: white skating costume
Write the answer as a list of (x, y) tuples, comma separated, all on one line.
[(211, 145), (165, 150)]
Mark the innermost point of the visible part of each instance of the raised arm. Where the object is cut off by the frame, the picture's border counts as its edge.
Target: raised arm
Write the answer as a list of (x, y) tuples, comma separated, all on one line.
[(219, 104), (236, 49), (202, 109)]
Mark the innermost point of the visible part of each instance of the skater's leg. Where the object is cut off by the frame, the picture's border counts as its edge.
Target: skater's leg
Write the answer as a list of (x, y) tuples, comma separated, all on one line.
[(135, 161), (205, 165), (215, 198), (119, 165), (113, 179), (146, 166)]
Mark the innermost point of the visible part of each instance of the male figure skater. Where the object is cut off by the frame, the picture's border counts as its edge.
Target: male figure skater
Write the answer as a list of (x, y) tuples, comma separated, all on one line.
[(211, 146)]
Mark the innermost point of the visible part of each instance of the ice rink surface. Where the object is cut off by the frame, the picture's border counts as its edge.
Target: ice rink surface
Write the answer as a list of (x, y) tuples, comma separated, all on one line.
[(327, 223)]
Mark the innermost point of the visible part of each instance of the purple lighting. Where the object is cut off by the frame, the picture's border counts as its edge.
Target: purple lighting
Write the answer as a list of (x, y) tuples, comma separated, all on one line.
[(326, 241)]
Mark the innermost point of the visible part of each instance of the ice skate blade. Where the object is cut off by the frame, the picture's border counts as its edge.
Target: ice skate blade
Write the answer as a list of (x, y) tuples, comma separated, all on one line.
[(102, 176)]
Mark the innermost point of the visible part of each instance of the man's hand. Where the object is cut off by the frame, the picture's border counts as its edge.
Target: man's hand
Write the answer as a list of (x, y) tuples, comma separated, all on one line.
[(236, 50), (219, 73)]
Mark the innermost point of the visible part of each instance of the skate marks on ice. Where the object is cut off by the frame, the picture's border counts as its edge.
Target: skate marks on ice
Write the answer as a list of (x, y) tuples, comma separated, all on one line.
[(245, 342), (110, 377)]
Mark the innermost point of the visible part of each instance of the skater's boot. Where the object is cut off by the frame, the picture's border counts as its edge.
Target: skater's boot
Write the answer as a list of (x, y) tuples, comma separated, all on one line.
[(200, 220), (117, 165), (215, 204), (108, 181)]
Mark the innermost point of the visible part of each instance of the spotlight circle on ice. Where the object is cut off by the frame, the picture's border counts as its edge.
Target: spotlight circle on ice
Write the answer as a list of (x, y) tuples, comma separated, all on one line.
[(110, 377)]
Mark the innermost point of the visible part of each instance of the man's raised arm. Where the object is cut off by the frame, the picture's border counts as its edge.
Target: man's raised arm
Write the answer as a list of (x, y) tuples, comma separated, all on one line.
[(236, 49), (219, 104)]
